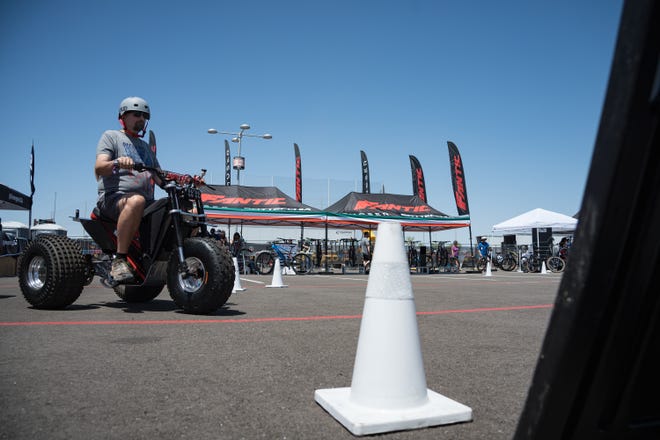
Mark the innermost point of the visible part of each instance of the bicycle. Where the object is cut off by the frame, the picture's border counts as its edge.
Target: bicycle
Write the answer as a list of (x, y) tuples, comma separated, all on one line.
[(530, 262), (482, 262), (507, 261), (557, 263), (288, 254)]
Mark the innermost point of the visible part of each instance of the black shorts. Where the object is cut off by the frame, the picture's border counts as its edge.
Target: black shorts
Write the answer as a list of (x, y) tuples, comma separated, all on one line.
[(109, 204)]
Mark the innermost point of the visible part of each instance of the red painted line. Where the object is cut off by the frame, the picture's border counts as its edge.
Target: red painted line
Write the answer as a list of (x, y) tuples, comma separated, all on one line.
[(487, 309), (253, 320)]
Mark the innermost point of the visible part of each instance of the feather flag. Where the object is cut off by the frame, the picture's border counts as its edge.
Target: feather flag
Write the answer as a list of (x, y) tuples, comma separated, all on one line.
[(227, 164), (458, 180), (419, 187), (298, 173), (365, 173), (32, 172)]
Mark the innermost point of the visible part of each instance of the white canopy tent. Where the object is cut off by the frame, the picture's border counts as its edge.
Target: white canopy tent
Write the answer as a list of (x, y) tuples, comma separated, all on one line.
[(537, 218)]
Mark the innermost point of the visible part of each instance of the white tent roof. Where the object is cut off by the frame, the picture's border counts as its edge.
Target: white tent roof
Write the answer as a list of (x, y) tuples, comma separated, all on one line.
[(48, 227), (536, 218), (14, 225)]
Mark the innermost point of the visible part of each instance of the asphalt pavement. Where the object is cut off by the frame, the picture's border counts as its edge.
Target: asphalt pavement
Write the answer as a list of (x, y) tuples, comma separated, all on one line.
[(105, 369)]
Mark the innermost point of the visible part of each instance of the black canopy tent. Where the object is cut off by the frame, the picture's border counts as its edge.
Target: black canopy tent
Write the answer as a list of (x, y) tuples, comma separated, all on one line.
[(269, 206), (257, 205), (358, 210)]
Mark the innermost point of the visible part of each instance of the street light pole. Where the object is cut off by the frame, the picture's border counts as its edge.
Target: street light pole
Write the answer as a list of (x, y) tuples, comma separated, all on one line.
[(239, 161)]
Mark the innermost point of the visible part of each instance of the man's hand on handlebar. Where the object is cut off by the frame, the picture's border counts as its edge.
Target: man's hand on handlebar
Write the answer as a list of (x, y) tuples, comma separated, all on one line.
[(124, 162), (181, 179)]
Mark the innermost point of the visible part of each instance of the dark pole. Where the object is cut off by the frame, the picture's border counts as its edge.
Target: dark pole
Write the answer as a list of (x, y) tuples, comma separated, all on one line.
[(471, 248), (326, 246)]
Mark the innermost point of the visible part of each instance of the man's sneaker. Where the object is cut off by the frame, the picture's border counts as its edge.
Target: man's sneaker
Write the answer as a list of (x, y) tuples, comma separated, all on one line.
[(121, 271)]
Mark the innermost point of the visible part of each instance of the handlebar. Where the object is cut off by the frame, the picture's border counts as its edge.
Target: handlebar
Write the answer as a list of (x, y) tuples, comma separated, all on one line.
[(169, 176)]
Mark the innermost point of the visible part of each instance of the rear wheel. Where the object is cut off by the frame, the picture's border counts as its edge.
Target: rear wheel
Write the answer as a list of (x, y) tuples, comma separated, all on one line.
[(208, 280), (302, 263), (556, 264), (264, 263), (52, 272)]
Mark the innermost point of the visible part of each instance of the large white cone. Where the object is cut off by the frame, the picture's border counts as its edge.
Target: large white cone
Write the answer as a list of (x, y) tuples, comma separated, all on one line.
[(388, 390), (277, 275), (544, 270), (237, 280)]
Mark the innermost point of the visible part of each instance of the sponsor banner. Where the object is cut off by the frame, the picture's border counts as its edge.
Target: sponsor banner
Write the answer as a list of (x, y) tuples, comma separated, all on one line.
[(366, 185), (419, 187), (458, 180), (227, 164), (298, 174)]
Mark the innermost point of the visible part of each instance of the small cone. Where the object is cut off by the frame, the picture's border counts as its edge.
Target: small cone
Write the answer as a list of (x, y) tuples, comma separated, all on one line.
[(543, 268), (237, 280), (488, 270), (388, 390), (277, 275)]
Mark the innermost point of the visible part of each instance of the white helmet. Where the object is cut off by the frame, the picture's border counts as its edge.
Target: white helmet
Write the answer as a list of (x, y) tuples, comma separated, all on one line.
[(134, 103)]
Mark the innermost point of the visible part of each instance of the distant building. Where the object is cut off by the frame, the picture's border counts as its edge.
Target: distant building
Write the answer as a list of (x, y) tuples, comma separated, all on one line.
[(48, 228)]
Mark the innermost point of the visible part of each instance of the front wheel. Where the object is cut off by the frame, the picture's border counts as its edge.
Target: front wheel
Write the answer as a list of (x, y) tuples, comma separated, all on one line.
[(302, 263), (481, 264), (208, 279), (508, 263), (556, 264), (52, 272), (264, 263)]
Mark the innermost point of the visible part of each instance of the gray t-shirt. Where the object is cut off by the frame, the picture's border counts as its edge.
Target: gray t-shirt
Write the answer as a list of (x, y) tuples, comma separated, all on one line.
[(115, 144)]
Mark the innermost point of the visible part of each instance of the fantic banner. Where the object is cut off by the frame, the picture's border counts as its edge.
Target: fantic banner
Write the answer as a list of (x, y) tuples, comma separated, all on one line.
[(298, 174), (366, 186), (227, 164), (419, 187), (458, 180)]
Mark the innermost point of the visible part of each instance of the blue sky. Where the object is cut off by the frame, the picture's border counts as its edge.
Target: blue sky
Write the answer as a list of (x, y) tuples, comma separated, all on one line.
[(518, 86)]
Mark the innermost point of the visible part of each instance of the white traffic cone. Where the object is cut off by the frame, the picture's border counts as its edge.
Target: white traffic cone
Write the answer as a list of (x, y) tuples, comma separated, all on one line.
[(544, 270), (277, 275), (488, 270), (237, 280), (388, 390)]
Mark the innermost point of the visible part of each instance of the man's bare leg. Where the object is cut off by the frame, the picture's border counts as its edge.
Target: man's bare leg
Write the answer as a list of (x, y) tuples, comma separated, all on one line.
[(131, 209)]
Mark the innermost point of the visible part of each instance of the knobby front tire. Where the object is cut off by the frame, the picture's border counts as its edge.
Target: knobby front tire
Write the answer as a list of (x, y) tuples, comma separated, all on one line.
[(209, 280)]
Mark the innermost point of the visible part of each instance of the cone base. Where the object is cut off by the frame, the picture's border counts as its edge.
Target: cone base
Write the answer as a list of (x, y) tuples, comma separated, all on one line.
[(361, 420), (238, 290), (281, 285)]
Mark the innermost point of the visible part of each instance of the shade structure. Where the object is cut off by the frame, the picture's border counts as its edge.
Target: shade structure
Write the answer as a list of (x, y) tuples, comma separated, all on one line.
[(536, 218), (357, 210), (269, 206), (257, 205)]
